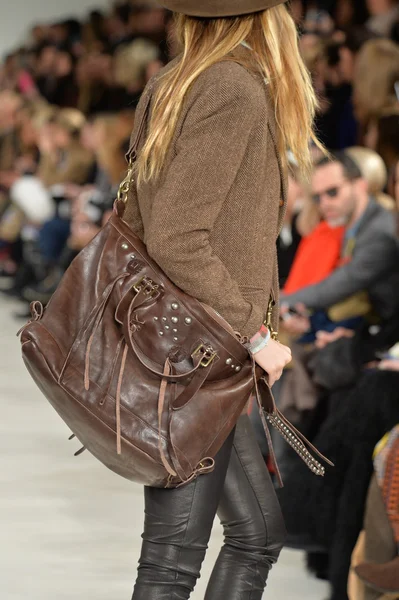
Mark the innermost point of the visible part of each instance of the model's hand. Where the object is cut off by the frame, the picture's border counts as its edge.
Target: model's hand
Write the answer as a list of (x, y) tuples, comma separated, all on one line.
[(273, 358)]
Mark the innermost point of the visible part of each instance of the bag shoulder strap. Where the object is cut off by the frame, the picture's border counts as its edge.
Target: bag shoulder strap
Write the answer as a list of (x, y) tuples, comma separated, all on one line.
[(131, 155), (139, 124)]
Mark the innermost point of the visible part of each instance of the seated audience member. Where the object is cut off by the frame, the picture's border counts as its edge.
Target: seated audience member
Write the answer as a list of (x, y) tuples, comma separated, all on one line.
[(375, 562), (374, 170), (63, 159), (329, 514), (383, 135), (290, 237), (61, 239), (349, 48), (376, 72), (369, 251), (130, 65), (320, 249), (10, 104), (383, 16)]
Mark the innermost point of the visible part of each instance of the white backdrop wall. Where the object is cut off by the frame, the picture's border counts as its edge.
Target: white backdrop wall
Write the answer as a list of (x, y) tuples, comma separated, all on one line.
[(17, 16)]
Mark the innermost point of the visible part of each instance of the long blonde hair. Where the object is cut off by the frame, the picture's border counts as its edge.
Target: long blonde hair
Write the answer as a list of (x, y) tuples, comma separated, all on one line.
[(273, 38), (377, 70)]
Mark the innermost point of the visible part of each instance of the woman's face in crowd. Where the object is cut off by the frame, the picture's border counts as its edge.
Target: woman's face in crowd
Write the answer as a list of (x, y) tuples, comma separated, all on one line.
[(379, 7), (46, 61), (63, 64)]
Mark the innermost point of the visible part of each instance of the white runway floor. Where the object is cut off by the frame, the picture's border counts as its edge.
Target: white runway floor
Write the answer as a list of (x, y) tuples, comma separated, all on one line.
[(69, 528)]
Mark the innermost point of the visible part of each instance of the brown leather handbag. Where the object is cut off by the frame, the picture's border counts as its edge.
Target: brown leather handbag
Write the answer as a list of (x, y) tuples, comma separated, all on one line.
[(150, 380)]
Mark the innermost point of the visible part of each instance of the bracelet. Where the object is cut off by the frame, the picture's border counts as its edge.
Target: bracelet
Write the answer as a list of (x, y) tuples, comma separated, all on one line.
[(260, 340)]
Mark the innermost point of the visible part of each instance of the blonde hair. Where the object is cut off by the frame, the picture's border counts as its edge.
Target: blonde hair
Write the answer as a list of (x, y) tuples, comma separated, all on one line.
[(371, 166), (273, 39), (70, 119), (377, 70), (132, 60)]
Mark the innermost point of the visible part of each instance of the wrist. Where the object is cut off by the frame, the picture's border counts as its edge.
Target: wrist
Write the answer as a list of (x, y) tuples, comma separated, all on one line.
[(260, 340)]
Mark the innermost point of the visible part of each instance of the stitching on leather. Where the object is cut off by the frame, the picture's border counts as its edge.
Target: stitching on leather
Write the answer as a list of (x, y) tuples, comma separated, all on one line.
[(184, 538), (254, 492)]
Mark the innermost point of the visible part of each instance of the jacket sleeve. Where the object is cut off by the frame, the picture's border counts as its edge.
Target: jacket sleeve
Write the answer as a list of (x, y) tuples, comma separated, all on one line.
[(376, 257), (210, 150)]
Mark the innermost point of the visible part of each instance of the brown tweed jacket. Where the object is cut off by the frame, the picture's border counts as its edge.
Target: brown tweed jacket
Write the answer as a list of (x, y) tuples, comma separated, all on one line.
[(212, 220)]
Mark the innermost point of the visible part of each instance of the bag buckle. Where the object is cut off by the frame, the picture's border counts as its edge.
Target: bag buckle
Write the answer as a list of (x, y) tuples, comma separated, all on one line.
[(208, 354), (147, 286)]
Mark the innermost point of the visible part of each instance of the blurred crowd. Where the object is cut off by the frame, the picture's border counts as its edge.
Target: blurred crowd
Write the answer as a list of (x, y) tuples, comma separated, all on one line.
[(67, 106)]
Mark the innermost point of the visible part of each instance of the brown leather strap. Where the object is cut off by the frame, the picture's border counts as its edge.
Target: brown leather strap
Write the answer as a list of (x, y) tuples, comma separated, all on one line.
[(161, 403), (304, 439), (118, 401), (135, 141), (265, 426), (192, 388), (100, 312), (135, 300)]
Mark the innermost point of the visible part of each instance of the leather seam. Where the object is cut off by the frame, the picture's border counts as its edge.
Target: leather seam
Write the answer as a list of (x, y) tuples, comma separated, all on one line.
[(254, 493), (94, 415)]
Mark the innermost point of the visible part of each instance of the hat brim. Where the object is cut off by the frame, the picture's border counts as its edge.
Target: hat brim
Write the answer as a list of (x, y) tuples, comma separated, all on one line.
[(226, 8)]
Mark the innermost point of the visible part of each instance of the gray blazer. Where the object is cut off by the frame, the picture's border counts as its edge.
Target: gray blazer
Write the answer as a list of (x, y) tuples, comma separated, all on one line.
[(374, 261)]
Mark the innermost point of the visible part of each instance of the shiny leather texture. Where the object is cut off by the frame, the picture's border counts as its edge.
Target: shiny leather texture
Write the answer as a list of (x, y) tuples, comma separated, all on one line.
[(148, 379), (178, 524)]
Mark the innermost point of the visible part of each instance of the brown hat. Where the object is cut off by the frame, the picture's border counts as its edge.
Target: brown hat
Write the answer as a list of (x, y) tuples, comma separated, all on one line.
[(218, 8)]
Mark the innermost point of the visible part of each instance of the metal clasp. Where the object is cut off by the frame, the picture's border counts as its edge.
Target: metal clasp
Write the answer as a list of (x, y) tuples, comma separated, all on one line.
[(147, 286), (125, 185), (208, 354), (268, 322)]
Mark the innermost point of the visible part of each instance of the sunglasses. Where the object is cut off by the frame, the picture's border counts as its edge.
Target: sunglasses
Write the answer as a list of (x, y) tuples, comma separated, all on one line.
[(331, 192)]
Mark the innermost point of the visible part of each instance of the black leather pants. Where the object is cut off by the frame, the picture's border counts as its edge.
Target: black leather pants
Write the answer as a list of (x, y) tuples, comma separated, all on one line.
[(178, 524)]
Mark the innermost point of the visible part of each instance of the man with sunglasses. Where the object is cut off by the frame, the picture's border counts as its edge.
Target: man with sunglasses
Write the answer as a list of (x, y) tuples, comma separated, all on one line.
[(369, 255)]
